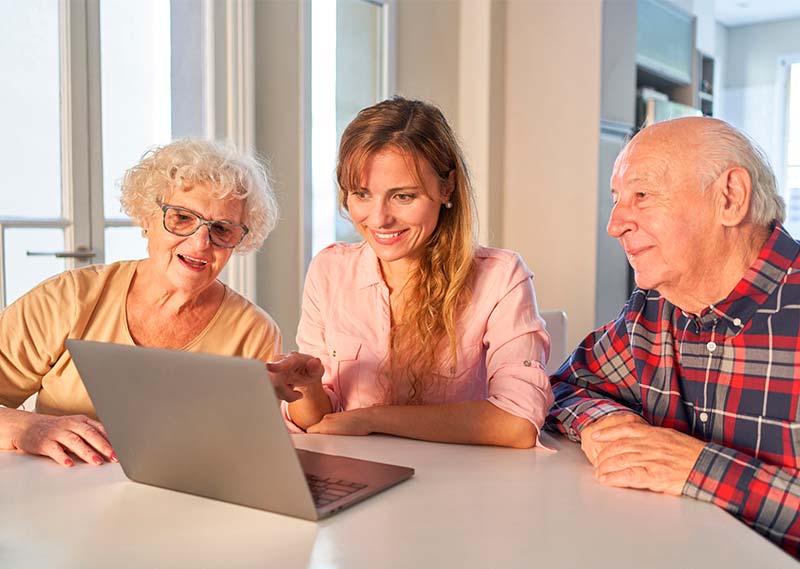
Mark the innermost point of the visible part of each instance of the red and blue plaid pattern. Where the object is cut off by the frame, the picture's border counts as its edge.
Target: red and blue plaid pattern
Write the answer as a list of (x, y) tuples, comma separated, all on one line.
[(730, 376)]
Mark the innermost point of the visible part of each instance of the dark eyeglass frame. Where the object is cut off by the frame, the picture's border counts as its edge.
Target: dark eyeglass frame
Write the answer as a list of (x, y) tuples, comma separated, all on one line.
[(210, 223)]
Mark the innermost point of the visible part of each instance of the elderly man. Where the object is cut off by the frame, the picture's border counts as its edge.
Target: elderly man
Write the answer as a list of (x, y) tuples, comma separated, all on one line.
[(694, 389)]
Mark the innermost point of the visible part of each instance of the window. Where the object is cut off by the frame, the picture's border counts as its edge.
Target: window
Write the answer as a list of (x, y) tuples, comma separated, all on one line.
[(350, 70), (791, 162), (136, 104), (31, 200)]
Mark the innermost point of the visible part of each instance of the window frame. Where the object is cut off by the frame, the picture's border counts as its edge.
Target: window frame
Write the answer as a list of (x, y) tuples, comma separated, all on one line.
[(75, 20)]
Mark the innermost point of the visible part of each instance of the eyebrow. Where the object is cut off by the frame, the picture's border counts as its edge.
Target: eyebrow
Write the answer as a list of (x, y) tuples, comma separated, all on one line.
[(200, 215), (397, 189)]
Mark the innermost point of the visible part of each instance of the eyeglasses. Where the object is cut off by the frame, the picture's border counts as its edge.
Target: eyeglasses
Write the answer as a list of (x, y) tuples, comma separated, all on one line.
[(184, 222)]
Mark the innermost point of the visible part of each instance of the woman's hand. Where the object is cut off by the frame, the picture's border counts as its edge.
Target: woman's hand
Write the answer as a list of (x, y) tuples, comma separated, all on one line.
[(292, 373), (52, 436), (353, 422)]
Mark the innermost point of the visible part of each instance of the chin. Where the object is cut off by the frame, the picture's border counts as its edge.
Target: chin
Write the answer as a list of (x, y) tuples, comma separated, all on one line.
[(385, 253), (192, 282), (645, 282)]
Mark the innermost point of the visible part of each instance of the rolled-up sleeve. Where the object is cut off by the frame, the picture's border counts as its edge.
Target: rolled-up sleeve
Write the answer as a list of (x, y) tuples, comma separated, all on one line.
[(517, 348)]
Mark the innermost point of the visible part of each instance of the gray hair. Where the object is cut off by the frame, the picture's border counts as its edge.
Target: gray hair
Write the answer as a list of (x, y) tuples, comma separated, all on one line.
[(725, 146), (229, 174)]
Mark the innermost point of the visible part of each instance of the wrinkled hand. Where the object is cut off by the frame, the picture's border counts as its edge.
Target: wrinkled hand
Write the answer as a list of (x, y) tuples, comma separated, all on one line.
[(55, 436), (590, 447), (638, 455), (292, 372), (353, 422)]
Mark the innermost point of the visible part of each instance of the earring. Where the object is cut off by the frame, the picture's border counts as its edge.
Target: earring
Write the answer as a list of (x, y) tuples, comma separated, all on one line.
[(144, 232), (448, 205)]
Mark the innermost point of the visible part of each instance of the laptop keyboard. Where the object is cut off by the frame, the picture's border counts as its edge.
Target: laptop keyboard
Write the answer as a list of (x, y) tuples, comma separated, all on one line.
[(327, 490)]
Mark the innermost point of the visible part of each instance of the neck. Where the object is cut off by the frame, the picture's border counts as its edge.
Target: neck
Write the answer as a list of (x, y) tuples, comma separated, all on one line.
[(718, 274), (397, 273)]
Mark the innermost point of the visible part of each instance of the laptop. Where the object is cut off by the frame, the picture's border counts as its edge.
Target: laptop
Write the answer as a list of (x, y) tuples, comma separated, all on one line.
[(211, 425)]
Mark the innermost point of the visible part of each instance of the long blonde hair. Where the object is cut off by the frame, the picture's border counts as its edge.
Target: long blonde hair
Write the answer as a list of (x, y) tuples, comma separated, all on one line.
[(439, 287)]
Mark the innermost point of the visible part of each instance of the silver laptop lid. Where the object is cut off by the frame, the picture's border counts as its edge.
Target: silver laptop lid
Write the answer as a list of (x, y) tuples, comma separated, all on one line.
[(200, 423)]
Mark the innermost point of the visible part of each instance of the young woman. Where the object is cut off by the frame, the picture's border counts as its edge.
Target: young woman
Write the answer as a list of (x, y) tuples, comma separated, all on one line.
[(421, 332)]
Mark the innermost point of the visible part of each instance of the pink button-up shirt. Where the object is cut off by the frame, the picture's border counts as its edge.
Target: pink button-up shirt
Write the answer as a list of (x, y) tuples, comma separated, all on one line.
[(502, 343)]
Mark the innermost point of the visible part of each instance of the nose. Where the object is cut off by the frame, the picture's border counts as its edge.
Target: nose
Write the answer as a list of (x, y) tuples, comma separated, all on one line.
[(380, 214), (620, 221), (201, 237)]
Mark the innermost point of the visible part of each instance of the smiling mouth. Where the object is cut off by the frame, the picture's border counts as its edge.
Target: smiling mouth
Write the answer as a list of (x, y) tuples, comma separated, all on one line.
[(387, 237), (192, 263)]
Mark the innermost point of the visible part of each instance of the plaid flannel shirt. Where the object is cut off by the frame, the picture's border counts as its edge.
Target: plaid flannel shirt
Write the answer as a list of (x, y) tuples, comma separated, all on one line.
[(730, 377)]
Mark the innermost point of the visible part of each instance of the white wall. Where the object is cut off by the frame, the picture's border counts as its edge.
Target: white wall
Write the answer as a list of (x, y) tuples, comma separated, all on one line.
[(427, 54), (706, 28), (552, 115)]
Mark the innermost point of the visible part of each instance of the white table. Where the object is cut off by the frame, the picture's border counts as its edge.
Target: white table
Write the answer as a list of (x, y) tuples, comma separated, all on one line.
[(466, 507)]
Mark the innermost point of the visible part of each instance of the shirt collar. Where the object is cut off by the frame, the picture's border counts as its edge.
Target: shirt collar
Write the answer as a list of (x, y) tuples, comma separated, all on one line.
[(759, 282), (368, 267)]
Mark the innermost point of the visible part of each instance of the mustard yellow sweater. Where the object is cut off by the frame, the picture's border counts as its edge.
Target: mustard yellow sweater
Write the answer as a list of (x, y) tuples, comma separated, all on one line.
[(89, 304)]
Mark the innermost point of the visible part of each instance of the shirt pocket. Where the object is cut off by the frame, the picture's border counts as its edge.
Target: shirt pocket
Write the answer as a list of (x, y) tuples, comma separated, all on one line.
[(344, 352), (464, 381)]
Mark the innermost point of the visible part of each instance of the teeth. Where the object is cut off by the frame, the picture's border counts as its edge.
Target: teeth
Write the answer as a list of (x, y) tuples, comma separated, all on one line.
[(193, 260), (387, 235)]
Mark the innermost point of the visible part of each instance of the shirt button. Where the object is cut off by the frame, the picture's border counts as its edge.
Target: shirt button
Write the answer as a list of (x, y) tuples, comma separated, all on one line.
[(703, 416), (711, 346), (333, 353), (737, 322), (527, 363)]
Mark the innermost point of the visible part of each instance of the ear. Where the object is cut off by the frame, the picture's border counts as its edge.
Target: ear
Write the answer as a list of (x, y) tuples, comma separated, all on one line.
[(449, 185), (735, 189)]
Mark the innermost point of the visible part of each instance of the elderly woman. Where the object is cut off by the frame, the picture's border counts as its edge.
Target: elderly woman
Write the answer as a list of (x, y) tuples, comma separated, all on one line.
[(197, 202), (421, 332)]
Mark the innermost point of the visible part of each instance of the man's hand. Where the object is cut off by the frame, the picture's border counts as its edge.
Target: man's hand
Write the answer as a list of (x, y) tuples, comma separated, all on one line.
[(353, 422), (55, 436), (590, 447), (292, 373), (636, 455)]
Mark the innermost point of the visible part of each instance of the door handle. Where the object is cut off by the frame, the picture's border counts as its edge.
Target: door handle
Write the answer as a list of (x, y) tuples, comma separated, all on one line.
[(81, 253)]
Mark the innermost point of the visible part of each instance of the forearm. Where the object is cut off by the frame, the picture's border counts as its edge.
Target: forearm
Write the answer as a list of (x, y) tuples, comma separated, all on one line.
[(764, 496), (312, 407), (469, 422), (11, 422)]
